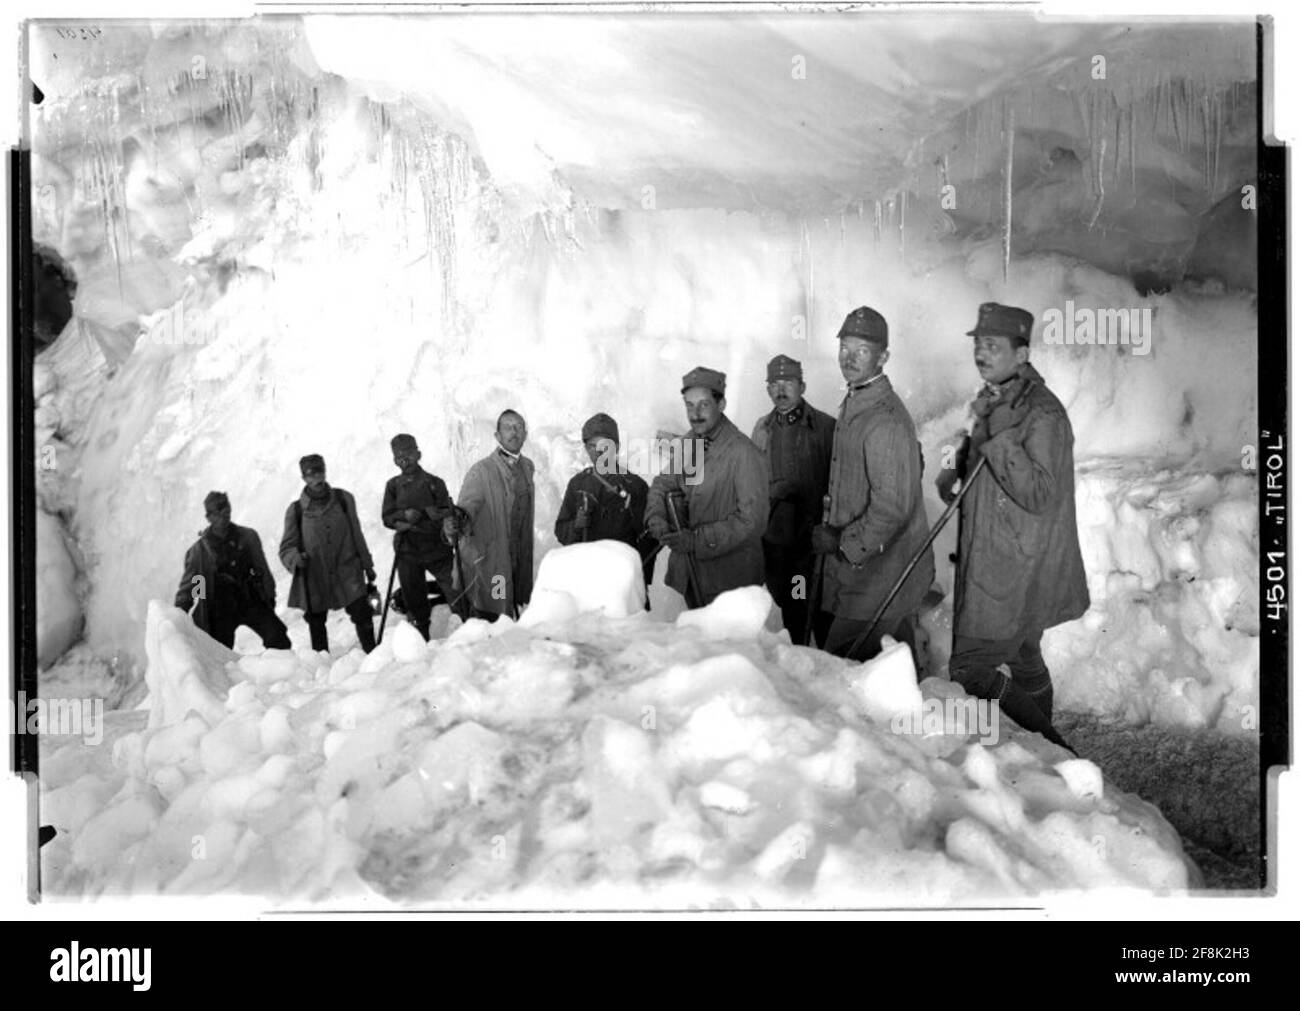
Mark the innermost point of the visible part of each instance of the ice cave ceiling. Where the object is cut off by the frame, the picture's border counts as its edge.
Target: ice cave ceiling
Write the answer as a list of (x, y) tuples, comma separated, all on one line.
[(816, 117)]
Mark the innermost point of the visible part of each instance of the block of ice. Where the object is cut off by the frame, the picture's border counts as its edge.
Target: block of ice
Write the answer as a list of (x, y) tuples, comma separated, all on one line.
[(1082, 777), (269, 666), (627, 792), (549, 605), (408, 645), (737, 614), (725, 797), (461, 764), (603, 576), (186, 668), (886, 685)]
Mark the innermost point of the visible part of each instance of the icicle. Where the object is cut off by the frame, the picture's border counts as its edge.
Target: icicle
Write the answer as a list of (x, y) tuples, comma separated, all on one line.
[(902, 221), (1007, 166), (1101, 187), (1205, 136), (1173, 115), (1119, 134), (1084, 118), (878, 222), (1218, 138), (1132, 148)]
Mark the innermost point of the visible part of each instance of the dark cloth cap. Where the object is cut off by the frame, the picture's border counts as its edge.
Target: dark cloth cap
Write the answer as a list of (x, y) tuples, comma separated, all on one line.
[(782, 367), (710, 379), (1003, 321), (311, 462), (215, 500), (866, 323), (403, 441), (598, 425)]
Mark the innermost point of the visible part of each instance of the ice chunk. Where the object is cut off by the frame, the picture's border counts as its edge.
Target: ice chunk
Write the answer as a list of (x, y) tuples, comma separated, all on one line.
[(58, 608), (402, 806), (886, 685), (408, 644), (549, 605), (627, 791), (725, 797), (230, 745), (276, 734), (1082, 777), (603, 576), (186, 668), (461, 764), (789, 847), (99, 846), (737, 614), (271, 666)]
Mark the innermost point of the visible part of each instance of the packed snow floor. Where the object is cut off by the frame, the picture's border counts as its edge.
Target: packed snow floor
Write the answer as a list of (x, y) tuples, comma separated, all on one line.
[(580, 758)]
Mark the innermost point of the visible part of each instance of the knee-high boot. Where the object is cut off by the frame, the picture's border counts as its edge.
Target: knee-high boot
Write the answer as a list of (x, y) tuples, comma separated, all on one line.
[(1021, 707)]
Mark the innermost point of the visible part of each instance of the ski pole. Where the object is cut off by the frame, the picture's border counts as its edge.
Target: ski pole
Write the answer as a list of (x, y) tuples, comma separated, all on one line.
[(389, 595), (925, 546)]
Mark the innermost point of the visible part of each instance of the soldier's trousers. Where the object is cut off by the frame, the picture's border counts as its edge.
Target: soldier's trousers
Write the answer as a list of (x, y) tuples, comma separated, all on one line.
[(837, 634), (362, 618), (410, 573), (782, 569), (260, 618), (974, 665)]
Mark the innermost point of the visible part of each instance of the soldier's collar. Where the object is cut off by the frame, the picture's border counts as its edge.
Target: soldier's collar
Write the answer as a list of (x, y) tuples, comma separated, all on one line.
[(859, 387), (791, 416)]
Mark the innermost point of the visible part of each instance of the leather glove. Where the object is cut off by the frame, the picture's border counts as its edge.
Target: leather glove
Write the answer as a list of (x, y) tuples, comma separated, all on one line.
[(825, 539), (451, 527), (412, 515), (370, 575), (681, 540), (658, 527)]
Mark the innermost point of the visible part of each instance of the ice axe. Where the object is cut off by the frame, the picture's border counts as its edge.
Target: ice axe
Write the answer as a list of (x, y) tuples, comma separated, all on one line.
[(916, 558), (692, 575)]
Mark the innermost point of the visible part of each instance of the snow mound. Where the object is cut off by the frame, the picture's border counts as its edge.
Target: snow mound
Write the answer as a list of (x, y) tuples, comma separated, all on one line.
[(613, 760)]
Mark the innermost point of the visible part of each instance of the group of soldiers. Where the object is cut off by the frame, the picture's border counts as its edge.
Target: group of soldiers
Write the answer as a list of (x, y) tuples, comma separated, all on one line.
[(826, 512)]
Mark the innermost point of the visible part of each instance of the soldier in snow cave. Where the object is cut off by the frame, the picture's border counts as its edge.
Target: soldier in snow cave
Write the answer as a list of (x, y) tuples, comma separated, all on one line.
[(1019, 568), (324, 548), (415, 505), (227, 582)]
